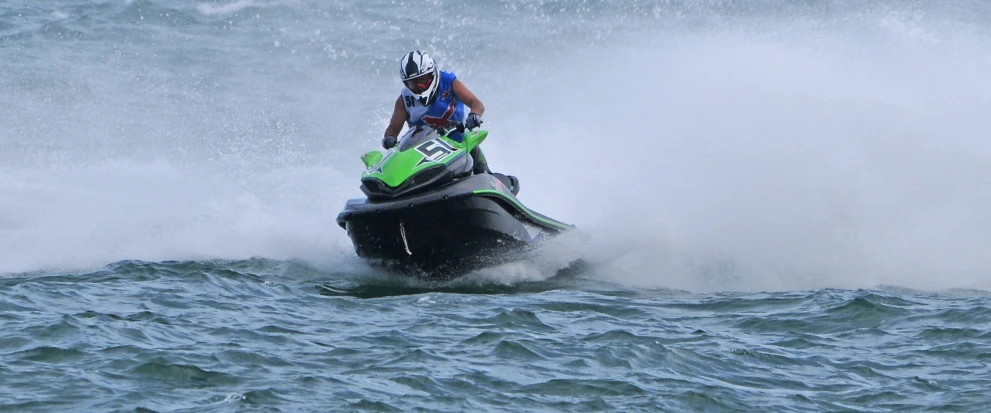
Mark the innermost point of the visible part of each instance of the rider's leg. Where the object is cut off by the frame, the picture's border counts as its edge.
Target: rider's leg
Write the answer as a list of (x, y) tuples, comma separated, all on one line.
[(481, 167)]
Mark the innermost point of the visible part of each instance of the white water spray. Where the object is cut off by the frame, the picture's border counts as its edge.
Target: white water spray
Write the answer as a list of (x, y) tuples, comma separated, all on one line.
[(842, 148), (752, 160)]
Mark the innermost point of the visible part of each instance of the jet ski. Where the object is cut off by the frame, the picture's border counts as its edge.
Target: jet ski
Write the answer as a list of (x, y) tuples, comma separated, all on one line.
[(426, 213)]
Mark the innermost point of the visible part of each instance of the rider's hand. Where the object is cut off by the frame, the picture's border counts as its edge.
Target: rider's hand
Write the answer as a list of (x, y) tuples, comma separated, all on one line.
[(474, 120), (388, 142)]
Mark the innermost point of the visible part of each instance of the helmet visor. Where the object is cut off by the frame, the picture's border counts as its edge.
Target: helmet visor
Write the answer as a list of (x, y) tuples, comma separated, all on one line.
[(419, 84)]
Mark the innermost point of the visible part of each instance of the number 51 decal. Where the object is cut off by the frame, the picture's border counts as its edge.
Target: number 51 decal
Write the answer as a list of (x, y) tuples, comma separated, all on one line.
[(434, 150)]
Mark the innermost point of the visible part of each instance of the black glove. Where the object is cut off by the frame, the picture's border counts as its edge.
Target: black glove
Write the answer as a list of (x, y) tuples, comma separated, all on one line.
[(474, 120), (389, 141)]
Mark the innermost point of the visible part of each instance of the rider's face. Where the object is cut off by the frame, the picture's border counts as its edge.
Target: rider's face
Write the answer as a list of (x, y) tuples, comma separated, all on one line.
[(420, 83)]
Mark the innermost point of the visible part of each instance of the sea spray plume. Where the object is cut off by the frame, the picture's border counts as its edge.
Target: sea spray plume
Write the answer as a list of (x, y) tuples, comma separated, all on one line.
[(808, 144), (824, 158)]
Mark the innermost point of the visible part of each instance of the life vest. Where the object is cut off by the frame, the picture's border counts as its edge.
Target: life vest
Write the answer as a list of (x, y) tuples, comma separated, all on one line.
[(445, 111)]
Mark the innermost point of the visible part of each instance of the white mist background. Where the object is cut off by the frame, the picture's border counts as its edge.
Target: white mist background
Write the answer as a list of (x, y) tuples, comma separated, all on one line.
[(766, 153), (751, 159)]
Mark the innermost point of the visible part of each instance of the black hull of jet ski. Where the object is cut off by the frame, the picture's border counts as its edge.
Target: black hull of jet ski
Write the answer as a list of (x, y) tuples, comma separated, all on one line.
[(471, 223)]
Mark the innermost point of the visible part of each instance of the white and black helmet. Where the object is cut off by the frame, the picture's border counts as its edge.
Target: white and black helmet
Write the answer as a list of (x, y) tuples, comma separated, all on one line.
[(416, 69)]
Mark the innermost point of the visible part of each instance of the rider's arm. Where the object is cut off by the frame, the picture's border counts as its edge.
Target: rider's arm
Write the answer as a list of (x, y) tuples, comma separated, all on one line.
[(465, 96), (399, 116)]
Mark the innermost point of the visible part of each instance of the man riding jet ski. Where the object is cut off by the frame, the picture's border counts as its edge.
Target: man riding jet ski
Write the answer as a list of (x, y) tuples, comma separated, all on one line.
[(435, 98), (432, 206)]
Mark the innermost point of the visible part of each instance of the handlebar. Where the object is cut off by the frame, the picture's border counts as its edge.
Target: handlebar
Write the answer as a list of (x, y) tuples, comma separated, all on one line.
[(444, 130)]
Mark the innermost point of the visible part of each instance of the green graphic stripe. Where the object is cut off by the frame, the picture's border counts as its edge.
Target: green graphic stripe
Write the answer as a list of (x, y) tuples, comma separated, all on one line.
[(530, 213)]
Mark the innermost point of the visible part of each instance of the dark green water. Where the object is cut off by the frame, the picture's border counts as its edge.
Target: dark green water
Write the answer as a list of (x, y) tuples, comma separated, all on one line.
[(263, 335)]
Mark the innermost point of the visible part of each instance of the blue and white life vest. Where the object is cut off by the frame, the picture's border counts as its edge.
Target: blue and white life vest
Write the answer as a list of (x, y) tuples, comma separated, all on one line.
[(444, 111)]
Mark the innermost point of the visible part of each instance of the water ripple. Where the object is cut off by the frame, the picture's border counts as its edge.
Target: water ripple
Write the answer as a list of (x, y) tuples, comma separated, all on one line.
[(248, 335)]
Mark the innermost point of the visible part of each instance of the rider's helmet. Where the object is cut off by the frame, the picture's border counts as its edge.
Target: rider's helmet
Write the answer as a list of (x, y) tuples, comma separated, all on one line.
[(420, 75)]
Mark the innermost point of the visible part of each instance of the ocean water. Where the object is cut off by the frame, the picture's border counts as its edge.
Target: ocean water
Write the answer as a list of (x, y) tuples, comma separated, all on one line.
[(782, 205)]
